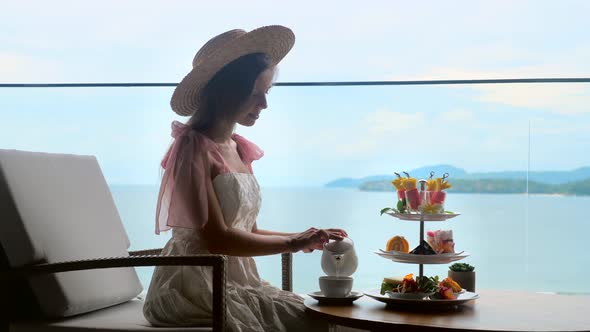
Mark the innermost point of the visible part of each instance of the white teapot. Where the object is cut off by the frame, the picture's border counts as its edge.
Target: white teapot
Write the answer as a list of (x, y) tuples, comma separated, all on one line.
[(339, 258)]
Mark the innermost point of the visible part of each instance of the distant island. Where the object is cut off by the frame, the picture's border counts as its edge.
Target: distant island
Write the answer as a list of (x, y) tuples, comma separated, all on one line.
[(575, 182)]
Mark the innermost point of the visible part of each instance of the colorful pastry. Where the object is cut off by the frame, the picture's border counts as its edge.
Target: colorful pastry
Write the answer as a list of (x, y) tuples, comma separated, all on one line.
[(398, 243), (399, 186), (409, 285), (412, 194), (428, 208), (436, 186), (442, 183), (431, 185), (437, 198), (441, 241), (446, 293), (450, 283)]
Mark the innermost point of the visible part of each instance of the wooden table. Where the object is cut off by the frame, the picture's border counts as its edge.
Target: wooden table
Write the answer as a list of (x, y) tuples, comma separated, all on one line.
[(493, 311)]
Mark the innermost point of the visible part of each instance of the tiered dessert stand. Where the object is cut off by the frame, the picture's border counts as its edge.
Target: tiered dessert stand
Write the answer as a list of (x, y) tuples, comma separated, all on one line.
[(402, 257)]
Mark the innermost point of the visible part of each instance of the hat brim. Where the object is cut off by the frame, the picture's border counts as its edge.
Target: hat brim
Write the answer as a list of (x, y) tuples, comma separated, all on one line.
[(274, 41)]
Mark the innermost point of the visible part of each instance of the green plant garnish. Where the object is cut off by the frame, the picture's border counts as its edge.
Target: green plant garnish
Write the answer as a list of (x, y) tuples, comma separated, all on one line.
[(427, 284), (401, 205), (461, 267), (385, 286), (387, 210)]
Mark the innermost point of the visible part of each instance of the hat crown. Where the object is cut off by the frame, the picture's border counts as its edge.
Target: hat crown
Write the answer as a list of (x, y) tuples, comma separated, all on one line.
[(215, 44), (274, 40)]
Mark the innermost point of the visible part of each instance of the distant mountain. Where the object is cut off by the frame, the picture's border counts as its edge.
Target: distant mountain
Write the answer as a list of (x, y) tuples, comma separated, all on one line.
[(546, 177), (498, 186), (551, 177), (439, 170), (355, 183), (422, 172), (578, 188)]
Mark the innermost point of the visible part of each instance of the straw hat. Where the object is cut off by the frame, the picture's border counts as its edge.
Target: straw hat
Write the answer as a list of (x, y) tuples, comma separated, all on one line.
[(274, 41)]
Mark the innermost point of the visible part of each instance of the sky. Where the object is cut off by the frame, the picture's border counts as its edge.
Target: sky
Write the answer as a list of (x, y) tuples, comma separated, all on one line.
[(310, 135)]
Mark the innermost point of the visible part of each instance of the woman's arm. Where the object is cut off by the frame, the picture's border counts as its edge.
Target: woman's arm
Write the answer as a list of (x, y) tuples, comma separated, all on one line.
[(257, 230), (332, 231), (221, 239)]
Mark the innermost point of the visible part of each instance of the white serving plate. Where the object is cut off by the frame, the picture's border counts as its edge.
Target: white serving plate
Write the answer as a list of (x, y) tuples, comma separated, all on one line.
[(408, 296), (425, 216), (402, 257), (422, 302)]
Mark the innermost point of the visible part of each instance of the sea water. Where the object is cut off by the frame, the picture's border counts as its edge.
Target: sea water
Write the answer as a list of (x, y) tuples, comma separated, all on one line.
[(515, 241)]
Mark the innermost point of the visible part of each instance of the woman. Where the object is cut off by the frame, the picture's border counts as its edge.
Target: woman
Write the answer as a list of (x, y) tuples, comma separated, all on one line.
[(210, 198)]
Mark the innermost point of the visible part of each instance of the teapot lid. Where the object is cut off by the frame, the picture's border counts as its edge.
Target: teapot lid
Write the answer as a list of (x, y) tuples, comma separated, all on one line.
[(339, 246)]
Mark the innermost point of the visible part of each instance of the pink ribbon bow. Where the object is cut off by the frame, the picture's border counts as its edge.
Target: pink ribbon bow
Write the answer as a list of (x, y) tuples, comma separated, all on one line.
[(178, 129)]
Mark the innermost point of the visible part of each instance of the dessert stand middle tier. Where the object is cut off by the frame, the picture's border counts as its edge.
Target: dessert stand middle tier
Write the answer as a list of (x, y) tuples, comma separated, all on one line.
[(402, 257)]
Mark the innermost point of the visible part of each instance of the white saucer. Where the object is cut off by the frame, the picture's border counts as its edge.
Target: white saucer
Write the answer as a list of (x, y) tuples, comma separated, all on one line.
[(346, 300)]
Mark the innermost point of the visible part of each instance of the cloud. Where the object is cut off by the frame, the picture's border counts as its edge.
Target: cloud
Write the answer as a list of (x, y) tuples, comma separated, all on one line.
[(375, 132), (565, 99), (386, 129), (559, 98), (16, 68), (392, 123), (457, 115), (458, 136), (155, 40)]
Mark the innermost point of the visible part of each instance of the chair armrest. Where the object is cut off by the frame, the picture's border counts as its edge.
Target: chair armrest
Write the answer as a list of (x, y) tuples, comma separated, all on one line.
[(286, 265), (145, 252), (218, 262)]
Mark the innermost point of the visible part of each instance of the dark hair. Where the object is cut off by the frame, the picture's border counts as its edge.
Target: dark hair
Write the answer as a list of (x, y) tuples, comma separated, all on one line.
[(229, 89)]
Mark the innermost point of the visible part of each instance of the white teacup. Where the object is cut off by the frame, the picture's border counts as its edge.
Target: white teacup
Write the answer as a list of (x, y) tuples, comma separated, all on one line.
[(335, 286)]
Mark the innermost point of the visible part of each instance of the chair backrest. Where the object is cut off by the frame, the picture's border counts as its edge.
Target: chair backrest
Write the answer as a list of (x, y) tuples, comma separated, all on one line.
[(58, 207)]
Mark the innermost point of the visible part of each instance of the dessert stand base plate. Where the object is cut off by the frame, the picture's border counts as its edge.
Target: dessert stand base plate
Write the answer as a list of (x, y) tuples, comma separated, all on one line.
[(427, 303)]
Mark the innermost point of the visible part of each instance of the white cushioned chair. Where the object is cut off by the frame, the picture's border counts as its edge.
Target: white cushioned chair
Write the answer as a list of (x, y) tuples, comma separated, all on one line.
[(64, 259)]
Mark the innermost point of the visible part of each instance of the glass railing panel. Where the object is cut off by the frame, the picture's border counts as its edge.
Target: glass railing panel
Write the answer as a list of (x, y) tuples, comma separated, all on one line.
[(315, 135), (557, 221)]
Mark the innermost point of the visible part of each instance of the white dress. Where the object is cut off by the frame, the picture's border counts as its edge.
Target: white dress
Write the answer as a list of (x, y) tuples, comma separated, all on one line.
[(181, 295)]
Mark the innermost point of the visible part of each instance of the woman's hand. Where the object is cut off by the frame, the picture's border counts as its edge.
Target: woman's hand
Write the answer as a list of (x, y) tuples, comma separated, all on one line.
[(336, 233), (314, 239), (309, 240)]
